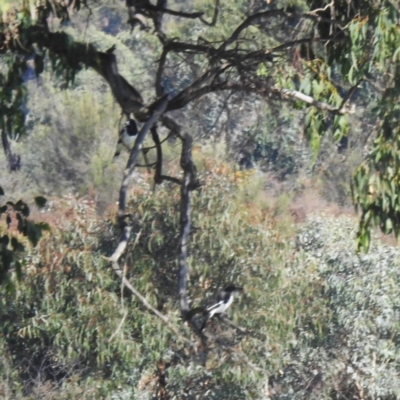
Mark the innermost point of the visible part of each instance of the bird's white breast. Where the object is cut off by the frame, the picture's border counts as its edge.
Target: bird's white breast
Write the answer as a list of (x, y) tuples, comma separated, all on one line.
[(127, 140)]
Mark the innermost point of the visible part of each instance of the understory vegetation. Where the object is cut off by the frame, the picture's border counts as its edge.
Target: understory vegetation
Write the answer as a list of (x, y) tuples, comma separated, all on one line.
[(316, 320)]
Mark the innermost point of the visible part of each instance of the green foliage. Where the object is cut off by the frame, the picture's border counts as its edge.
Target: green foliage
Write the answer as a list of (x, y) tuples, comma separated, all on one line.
[(376, 186), (351, 349), (313, 310), (275, 145), (11, 246), (363, 44), (79, 132), (370, 55), (74, 319), (12, 97)]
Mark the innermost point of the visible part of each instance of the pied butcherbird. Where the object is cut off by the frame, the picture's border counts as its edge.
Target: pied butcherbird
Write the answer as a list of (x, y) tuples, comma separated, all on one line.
[(126, 137), (221, 302)]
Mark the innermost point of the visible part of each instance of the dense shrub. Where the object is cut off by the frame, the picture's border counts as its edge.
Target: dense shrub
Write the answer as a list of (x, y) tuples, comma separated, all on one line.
[(317, 320), (350, 350), (70, 326)]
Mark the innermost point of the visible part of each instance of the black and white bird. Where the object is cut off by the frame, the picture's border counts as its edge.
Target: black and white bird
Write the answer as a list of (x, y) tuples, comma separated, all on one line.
[(126, 137), (221, 302)]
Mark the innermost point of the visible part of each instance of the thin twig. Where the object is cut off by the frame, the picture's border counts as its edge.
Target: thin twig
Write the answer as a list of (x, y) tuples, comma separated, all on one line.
[(320, 105), (146, 149), (350, 93), (122, 291), (215, 16), (119, 326), (314, 12), (143, 300), (159, 162), (233, 325)]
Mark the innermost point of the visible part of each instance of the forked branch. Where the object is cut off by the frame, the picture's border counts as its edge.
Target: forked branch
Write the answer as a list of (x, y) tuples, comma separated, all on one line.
[(124, 220), (215, 16), (130, 167), (158, 176)]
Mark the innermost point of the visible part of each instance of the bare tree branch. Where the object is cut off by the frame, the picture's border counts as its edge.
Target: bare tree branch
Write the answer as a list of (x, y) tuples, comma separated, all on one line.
[(158, 176), (260, 55), (181, 14), (268, 14), (318, 104), (126, 95), (188, 183), (161, 63), (350, 92), (262, 90), (146, 161), (126, 228), (159, 162), (176, 47), (124, 222), (172, 125), (158, 111), (185, 222), (246, 23), (215, 16), (146, 149), (197, 88), (77, 53)]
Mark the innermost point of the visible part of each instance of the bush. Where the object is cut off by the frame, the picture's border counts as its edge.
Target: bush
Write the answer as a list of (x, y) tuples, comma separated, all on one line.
[(351, 350), (70, 325), (317, 321)]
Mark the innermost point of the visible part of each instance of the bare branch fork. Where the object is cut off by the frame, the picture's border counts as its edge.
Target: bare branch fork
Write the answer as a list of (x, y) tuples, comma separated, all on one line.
[(158, 176), (127, 96), (128, 173), (189, 182), (126, 226), (215, 16), (130, 167)]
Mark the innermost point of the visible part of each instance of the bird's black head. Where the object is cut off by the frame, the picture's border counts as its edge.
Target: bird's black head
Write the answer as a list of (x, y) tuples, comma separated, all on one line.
[(233, 288), (131, 127)]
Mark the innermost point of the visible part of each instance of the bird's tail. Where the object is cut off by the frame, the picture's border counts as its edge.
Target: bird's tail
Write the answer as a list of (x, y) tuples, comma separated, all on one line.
[(206, 318)]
